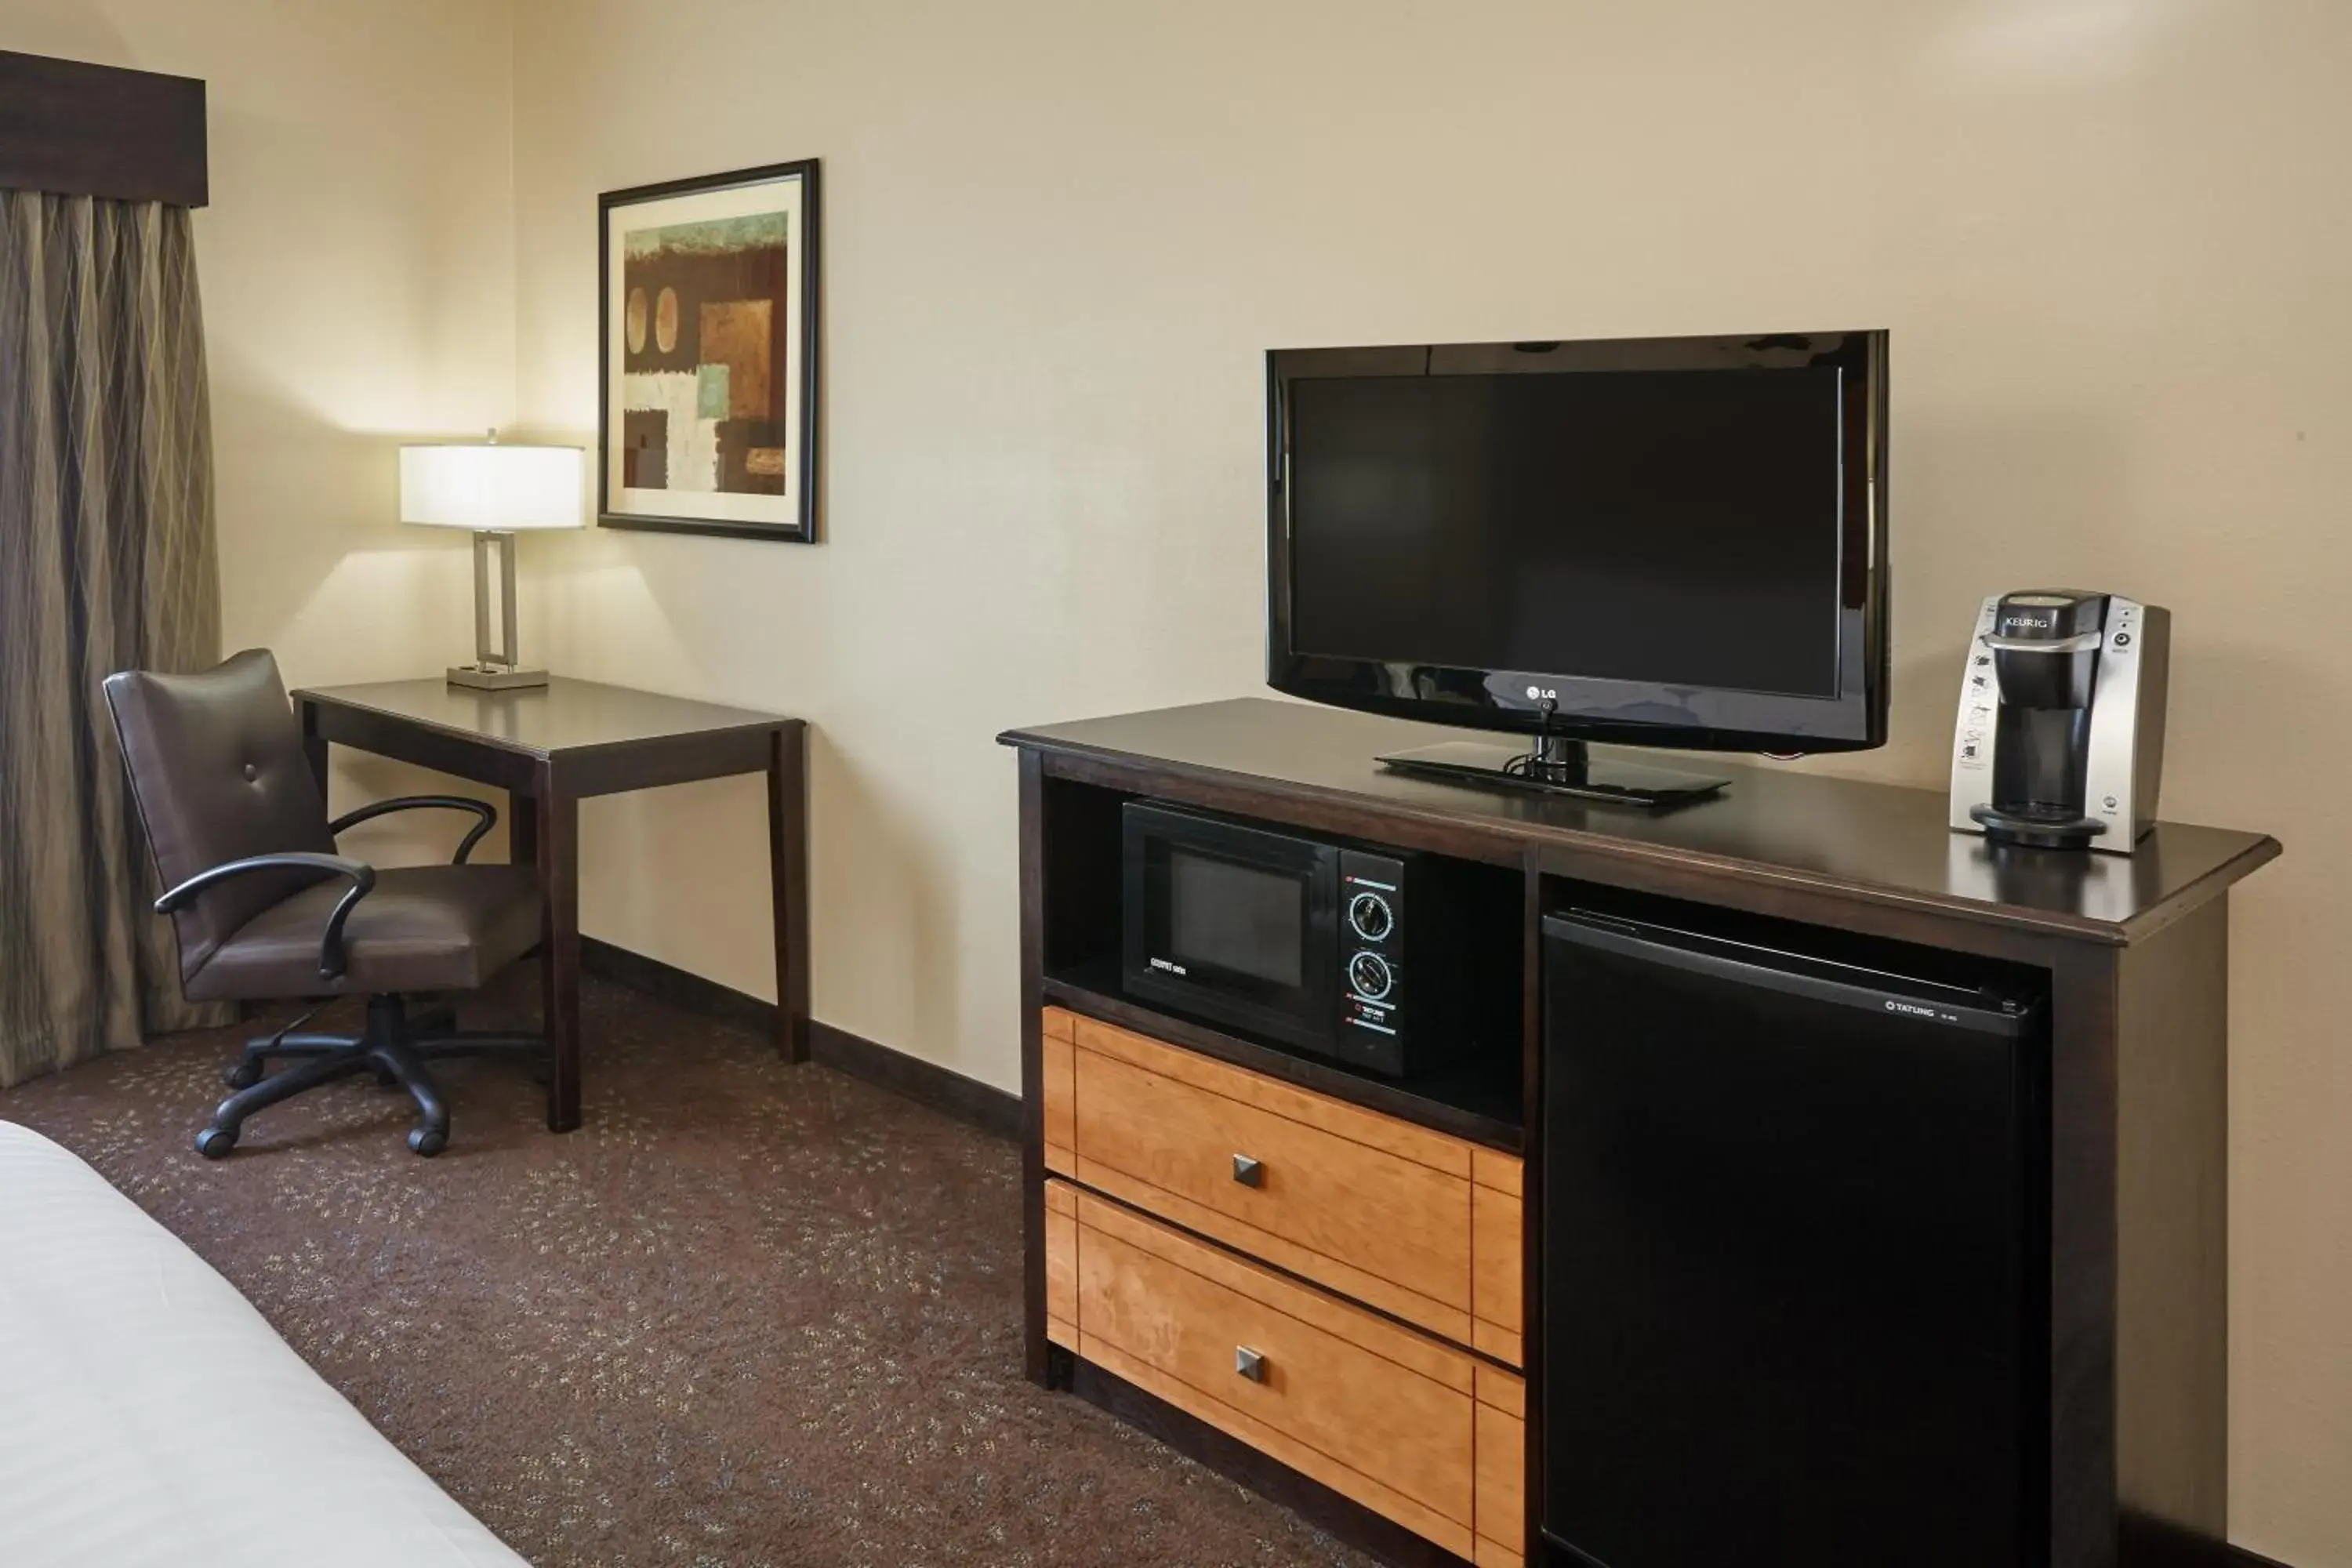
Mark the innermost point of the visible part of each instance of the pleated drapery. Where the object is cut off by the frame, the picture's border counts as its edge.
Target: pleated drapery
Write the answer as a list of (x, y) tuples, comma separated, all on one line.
[(107, 563)]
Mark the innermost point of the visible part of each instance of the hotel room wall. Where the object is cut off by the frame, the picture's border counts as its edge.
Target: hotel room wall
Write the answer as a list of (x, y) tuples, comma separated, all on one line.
[(2111, 240), (357, 270)]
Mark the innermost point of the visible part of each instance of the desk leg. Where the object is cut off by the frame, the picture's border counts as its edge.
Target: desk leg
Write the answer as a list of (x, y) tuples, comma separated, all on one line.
[(788, 885), (314, 748), (558, 855), (522, 828)]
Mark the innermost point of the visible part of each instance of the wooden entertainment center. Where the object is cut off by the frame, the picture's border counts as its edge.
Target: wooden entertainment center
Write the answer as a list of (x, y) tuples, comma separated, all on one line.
[(1330, 1284)]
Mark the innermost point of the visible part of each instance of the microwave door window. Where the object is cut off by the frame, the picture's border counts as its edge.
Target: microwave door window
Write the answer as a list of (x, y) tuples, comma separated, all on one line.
[(1244, 922)]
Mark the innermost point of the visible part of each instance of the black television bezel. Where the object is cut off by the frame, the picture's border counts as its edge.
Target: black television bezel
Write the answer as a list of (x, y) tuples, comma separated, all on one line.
[(1627, 711)]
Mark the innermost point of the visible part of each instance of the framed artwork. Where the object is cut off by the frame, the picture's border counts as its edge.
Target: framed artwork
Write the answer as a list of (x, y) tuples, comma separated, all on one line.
[(707, 374)]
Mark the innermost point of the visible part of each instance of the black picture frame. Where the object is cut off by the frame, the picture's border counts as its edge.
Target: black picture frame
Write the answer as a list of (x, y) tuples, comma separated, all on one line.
[(799, 526)]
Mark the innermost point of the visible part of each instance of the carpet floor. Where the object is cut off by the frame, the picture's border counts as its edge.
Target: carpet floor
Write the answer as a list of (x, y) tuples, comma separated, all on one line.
[(748, 1315)]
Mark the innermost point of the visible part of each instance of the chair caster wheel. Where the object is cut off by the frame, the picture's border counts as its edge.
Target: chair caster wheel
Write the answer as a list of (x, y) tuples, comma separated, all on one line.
[(242, 1075), (428, 1140), (215, 1143)]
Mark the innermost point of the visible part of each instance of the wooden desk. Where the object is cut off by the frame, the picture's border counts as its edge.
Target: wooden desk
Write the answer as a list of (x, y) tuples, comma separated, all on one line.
[(551, 747)]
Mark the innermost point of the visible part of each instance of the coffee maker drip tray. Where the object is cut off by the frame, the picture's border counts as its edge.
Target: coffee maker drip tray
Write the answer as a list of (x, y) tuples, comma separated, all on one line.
[(2038, 828)]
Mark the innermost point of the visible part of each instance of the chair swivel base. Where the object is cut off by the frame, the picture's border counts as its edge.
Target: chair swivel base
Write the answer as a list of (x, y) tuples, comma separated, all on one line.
[(396, 1047)]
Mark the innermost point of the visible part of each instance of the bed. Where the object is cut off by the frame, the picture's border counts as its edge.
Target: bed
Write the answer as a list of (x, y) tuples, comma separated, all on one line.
[(150, 1415)]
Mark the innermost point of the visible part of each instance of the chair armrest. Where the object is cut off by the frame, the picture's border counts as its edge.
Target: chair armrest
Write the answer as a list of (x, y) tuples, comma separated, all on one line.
[(480, 808), (330, 946)]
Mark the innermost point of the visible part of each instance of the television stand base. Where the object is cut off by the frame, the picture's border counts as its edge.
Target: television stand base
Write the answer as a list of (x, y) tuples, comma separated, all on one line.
[(1557, 767)]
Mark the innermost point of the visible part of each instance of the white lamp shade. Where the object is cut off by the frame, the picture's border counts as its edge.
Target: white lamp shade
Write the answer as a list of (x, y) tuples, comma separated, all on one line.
[(495, 487)]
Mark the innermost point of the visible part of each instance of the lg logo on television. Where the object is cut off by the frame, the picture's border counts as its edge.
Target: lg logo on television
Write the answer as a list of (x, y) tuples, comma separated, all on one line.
[(1542, 694)]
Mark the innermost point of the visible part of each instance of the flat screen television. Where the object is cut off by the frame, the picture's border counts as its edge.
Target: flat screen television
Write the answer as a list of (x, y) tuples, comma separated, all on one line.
[(1668, 541)]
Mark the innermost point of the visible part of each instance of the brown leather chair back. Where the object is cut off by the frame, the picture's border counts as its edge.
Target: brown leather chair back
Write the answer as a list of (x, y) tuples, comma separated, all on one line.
[(217, 770)]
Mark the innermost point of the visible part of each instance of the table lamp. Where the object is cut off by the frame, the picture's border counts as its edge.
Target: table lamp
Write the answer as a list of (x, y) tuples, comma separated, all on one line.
[(496, 490)]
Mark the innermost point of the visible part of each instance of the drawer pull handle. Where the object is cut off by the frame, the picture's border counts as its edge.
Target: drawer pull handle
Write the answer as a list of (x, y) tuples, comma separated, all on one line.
[(1249, 1363), (1249, 1172)]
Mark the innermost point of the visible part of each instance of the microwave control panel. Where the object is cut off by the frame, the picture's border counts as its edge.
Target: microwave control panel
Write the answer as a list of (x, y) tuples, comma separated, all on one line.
[(1373, 1030)]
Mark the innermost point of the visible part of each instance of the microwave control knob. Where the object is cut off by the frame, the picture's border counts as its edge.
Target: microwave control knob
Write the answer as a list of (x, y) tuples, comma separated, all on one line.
[(1371, 917), (1369, 973)]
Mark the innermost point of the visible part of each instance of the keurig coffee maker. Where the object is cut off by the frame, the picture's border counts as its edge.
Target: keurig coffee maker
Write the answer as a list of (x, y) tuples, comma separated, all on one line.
[(2060, 744)]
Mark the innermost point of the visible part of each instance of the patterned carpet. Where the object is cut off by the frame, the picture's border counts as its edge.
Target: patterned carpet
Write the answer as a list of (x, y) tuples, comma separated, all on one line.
[(746, 1315)]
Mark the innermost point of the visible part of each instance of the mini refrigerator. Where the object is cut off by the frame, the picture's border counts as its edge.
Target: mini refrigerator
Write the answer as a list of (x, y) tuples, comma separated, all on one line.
[(1794, 1258)]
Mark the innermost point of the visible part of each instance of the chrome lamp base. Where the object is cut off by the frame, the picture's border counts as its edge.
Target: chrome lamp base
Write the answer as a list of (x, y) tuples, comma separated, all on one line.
[(494, 668), (495, 678)]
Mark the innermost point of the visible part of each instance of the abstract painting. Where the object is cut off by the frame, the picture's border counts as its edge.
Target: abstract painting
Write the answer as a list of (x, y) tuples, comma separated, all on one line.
[(709, 354)]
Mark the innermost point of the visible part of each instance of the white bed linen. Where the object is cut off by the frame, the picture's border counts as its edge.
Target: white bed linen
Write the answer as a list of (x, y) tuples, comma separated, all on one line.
[(150, 1415)]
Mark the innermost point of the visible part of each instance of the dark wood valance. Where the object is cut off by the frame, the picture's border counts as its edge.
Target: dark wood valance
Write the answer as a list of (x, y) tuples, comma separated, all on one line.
[(82, 130)]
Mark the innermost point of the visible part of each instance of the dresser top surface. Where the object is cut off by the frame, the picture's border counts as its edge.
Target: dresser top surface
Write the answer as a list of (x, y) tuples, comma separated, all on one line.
[(1883, 842)]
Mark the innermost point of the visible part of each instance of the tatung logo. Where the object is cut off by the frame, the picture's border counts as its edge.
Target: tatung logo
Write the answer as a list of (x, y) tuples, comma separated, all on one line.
[(1911, 1007)]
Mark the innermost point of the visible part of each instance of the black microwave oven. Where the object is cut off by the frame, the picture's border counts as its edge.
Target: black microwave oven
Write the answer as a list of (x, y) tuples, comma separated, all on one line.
[(1323, 946)]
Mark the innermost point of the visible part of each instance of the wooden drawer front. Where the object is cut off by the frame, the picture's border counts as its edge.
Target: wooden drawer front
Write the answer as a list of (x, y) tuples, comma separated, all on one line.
[(1061, 1264), (1061, 1092), (1370, 1409), (1497, 1258), (1502, 1455), (1376, 1208)]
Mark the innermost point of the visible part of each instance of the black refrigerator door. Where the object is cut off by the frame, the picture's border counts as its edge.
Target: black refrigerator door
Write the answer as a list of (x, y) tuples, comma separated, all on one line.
[(1788, 1262)]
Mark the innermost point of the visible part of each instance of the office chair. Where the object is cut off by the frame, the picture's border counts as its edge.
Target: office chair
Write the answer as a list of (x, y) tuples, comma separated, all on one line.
[(263, 909)]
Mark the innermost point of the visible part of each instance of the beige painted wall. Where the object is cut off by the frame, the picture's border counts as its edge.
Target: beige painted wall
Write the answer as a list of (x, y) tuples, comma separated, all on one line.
[(2111, 237), (1061, 232), (357, 266)]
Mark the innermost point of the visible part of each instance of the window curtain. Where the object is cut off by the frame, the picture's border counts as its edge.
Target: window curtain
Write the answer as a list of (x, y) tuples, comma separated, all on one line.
[(107, 563)]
